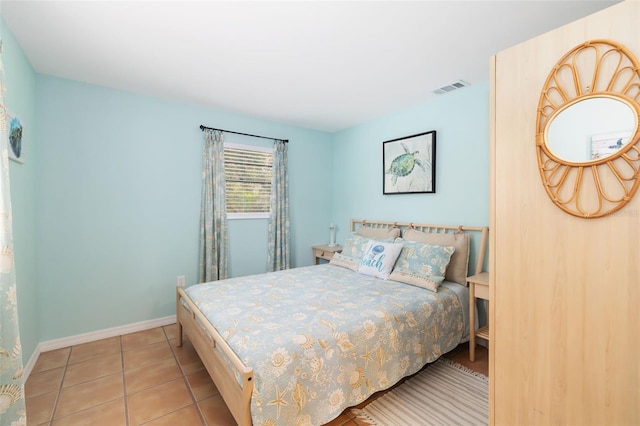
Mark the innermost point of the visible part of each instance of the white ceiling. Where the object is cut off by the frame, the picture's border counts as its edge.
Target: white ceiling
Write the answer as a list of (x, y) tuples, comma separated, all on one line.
[(326, 65)]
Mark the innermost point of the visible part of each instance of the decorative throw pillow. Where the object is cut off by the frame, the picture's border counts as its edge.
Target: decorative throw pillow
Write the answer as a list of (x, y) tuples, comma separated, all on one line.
[(379, 258), (430, 283), (355, 245), (459, 264), (348, 262), (378, 233), (422, 265)]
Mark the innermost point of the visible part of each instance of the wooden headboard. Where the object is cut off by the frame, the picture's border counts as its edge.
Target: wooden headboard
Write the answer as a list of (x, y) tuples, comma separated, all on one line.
[(480, 231)]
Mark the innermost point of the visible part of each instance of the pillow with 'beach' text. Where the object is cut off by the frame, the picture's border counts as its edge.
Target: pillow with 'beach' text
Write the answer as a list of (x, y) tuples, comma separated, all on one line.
[(379, 258)]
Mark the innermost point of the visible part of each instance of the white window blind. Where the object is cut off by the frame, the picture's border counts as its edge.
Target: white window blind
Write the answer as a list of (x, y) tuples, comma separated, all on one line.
[(248, 181)]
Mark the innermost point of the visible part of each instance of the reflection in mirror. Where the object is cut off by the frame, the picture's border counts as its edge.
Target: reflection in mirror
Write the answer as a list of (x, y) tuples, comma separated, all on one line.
[(591, 129)]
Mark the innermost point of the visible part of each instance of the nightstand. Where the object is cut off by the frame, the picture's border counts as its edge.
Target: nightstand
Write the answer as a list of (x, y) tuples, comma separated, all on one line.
[(324, 252), (478, 289)]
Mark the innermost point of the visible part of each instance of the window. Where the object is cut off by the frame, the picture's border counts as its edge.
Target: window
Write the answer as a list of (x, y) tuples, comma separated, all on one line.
[(248, 181)]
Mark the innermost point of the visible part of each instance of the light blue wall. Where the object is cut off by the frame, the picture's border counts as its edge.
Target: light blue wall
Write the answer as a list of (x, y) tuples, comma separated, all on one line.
[(119, 192), (461, 120), (20, 81)]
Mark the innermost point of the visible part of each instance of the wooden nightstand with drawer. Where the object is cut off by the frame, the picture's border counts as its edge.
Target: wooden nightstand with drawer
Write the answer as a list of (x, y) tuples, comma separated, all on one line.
[(324, 252), (478, 289)]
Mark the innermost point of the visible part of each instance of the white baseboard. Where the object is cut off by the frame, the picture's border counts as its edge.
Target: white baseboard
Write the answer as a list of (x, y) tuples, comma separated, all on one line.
[(78, 339)]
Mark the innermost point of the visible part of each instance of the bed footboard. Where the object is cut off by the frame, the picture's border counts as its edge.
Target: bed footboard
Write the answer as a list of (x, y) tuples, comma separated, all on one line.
[(210, 346)]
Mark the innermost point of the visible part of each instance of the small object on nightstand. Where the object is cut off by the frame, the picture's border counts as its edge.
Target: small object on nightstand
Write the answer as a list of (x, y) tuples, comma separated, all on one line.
[(478, 288), (332, 235), (324, 252)]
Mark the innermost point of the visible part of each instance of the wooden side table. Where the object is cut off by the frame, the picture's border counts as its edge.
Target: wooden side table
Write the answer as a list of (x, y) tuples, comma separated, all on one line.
[(324, 252), (478, 288)]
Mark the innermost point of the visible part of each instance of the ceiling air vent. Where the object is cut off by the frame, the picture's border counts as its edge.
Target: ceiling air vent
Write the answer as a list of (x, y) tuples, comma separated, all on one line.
[(451, 87)]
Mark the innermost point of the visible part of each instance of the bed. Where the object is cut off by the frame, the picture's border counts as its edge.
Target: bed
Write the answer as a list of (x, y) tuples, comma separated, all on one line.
[(299, 346)]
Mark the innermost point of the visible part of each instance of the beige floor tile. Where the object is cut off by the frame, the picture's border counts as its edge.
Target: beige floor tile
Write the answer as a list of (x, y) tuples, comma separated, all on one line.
[(201, 385), (95, 349), (143, 338), (51, 359), (151, 375), (92, 369), (187, 346), (89, 394), (43, 382), (158, 401), (215, 412), (187, 357), (171, 331), (108, 414), (40, 407), (184, 416), (148, 354)]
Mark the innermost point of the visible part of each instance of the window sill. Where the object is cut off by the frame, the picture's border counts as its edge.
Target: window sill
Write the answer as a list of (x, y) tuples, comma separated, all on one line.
[(235, 216)]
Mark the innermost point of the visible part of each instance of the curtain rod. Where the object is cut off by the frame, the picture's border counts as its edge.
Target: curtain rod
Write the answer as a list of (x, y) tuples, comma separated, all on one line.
[(202, 127)]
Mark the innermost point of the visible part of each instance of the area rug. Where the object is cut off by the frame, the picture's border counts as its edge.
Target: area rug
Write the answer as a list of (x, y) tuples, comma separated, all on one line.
[(444, 393)]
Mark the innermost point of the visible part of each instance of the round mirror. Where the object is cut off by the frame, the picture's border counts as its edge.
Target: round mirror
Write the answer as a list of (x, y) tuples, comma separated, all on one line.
[(591, 129), (588, 129)]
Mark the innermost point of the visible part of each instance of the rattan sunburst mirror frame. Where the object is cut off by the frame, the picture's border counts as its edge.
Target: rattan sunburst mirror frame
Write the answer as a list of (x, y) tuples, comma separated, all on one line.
[(596, 68)]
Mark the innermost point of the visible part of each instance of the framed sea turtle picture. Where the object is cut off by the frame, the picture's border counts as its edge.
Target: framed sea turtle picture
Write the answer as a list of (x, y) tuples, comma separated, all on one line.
[(409, 164)]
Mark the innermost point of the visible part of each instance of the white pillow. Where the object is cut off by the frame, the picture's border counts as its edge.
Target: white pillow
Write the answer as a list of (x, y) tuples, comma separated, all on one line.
[(379, 258)]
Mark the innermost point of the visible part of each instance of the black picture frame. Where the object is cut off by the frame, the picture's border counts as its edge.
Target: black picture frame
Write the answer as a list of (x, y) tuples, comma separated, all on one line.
[(409, 164)]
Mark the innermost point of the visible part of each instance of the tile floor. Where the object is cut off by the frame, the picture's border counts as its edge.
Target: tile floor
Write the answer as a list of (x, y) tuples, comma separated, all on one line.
[(142, 379)]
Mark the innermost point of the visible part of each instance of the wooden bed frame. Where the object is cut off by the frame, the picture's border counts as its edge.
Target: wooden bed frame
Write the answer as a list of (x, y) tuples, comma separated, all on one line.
[(211, 346)]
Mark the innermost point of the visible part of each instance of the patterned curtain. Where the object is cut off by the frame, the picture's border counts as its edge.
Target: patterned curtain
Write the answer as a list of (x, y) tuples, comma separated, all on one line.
[(279, 238), (12, 408), (213, 213)]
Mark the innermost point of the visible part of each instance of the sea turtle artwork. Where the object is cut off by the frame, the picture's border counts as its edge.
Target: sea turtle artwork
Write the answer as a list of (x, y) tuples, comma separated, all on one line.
[(408, 164), (404, 164)]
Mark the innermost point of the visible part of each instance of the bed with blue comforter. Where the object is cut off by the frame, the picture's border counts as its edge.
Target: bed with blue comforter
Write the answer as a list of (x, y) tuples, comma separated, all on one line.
[(322, 338)]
